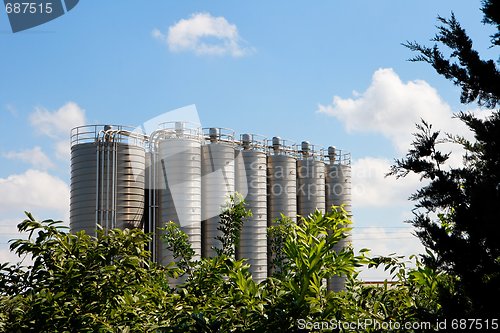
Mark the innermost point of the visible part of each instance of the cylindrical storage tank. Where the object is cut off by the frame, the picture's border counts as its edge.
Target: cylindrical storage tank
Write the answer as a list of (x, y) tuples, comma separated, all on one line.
[(217, 184), (107, 179), (310, 182), (130, 184), (281, 189), (338, 192), (251, 182), (85, 213), (179, 182), (338, 187), (282, 184)]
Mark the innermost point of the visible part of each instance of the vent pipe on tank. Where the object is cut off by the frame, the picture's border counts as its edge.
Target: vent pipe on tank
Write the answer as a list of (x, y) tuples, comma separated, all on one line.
[(213, 134), (276, 144), (179, 128), (305, 148), (245, 140), (332, 154)]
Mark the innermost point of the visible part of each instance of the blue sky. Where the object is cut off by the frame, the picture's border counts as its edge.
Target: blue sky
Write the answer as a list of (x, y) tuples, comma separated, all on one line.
[(331, 72)]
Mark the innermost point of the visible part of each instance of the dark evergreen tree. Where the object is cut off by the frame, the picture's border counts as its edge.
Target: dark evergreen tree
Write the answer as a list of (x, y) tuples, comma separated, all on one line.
[(457, 213), (479, 79)]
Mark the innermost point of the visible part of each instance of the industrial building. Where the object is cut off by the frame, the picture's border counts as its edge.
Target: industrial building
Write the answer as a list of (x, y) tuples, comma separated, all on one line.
[(183, 173)]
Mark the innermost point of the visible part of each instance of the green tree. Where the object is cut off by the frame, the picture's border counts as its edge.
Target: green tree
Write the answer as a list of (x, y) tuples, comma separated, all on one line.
[(305, 258), (232, 218), (410, 298), (79, 283), (479, 79), (457, 212)]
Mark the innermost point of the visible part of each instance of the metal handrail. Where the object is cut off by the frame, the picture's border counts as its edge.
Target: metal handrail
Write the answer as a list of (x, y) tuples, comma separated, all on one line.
[(286, 147), (95, 133), (223, 134), (255, 142)]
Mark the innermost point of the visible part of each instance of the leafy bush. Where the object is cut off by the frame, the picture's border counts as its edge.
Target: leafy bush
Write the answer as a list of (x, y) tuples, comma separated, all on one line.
[(79, 283)]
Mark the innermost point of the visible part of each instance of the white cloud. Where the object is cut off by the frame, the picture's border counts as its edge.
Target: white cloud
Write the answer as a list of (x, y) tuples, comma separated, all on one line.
[(36, 157), (8, 231), (370, 187), (156, 33), (57, 124), (11, 109), (63, 150), (384, 241), (34, 190), (204, 34), (481, 113), (392, 108), (7, 256), (7, 227)]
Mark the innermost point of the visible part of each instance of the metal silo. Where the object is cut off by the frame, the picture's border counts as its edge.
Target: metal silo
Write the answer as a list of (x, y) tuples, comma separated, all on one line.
[(217, 183), (338, 192), (281, 187), (107, 178), (177, 171), (251, 179), (310, 181), (282, 181)]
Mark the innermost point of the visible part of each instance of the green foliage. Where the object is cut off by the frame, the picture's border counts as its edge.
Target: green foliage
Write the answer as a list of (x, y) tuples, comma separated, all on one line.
[(107, 283), (306, 261), (277, 235), (457, 210), (232, 218), (457, 214), (80, 283), (479, 79), (178, 242)]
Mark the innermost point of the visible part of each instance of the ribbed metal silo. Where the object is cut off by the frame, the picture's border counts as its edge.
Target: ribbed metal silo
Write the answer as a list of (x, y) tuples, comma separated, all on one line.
[(281, 188), (310, 181), (338, 192), (217, 184), (281, 181), (251, 181), (178, 180), (107, 178)]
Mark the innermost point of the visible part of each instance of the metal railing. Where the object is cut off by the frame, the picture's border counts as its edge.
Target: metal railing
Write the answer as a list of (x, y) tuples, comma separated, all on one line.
[(107, 133)]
